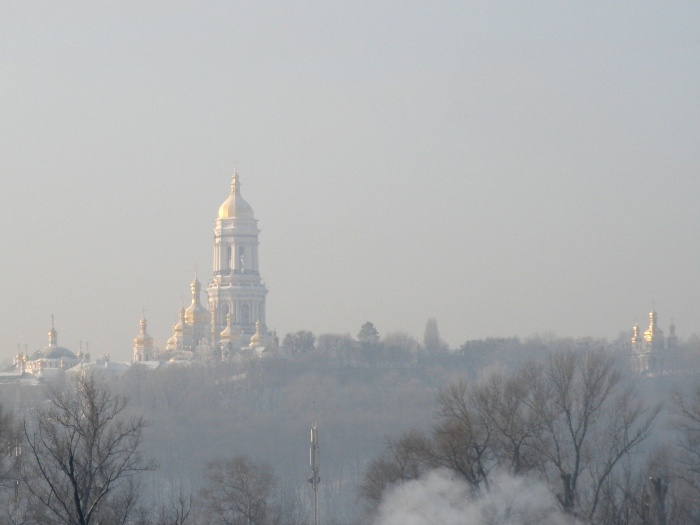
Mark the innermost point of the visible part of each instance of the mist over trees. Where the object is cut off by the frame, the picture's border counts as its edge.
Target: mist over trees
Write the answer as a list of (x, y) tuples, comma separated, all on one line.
[(572, 421), (238, 490), (230, 440), (431, 338)]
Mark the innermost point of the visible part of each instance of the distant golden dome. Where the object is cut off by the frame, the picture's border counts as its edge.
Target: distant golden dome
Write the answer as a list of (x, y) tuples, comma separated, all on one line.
[(143, 338), (226, 333), (235, 206), (255, 340), (196, 313), (182, 326)]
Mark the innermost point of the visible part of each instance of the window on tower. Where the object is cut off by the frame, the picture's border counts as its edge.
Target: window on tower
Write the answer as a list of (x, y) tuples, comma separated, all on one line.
[(241, 258)]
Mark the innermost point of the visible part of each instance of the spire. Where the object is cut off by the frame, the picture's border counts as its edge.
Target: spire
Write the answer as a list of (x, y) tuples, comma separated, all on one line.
[(235, 207), (235, 183), (635, 334), (53, 335), (181, 325), (196, 313), (653, 335), (196, 286), (143, 339)]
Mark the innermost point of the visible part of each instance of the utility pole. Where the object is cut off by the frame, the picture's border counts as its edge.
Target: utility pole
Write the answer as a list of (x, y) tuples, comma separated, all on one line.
[(315, 463), (18, 469)]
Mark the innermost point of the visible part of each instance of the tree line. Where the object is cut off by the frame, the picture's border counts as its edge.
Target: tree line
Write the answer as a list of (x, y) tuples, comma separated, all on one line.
[(566, 413), (571, 421), (76, 459)]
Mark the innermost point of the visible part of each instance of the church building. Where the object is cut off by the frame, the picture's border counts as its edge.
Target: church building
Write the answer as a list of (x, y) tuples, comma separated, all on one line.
[(51, 360), (650, 349), (234, 322)]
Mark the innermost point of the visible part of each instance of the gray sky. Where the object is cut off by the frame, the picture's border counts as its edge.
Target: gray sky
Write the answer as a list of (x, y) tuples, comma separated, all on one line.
[(507, 168)]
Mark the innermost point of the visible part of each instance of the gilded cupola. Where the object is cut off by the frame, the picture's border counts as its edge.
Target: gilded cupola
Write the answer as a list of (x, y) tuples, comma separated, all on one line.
[(196, 313), (143, 338), (235, 207)]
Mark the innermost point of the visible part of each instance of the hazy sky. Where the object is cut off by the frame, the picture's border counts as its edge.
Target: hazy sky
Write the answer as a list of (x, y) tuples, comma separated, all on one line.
[(507, 168)]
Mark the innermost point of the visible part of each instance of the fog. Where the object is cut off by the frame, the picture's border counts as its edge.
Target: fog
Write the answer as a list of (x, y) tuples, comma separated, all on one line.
[(359, 398), (507, 169), (441, 498), (524, 175)]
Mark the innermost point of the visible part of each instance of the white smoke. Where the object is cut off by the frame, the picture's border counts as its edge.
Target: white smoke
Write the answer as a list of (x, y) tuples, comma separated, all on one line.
[(439, 498)]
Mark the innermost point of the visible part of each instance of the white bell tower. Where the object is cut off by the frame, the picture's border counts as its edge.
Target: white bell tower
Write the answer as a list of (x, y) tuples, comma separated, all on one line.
[(236, 292)]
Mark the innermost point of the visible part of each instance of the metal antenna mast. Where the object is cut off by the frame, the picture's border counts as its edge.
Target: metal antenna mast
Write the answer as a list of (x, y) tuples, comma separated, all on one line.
[(315, 463)]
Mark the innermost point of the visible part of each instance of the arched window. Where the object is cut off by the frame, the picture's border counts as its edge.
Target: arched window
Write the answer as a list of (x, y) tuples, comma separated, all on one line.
[(241, 258), (245, 314), (228, 258)]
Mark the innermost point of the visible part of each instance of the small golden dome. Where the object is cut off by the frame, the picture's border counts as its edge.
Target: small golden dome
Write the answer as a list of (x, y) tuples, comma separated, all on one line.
[(255, 340), (143, 338), (181, 325), (226, 332), (196, 313), (235, 207)]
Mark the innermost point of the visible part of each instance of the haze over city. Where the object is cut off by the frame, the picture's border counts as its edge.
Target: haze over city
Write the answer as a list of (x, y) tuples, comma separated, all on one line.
[(506, 169)]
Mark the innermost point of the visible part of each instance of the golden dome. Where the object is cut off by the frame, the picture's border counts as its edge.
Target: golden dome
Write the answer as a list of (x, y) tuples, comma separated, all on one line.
[(235, 206), (182, 325), (143, 338), (196, 313), (255, 340), (226, 332)]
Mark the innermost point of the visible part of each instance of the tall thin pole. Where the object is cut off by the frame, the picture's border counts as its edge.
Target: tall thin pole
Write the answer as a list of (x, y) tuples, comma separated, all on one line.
[(315, 463), (18, 469)]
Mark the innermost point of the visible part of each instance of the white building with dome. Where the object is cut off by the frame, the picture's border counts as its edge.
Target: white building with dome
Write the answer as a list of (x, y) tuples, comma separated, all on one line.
[(51, 360), (234, 322)]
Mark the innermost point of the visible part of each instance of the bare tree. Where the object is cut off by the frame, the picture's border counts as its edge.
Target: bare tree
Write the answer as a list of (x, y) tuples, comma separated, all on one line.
[(570, 419), (238, 491), (505, 403), (462, 439), (177, 513), (84, 453), (405, 459), (686, 492), (687, 422), (590, 421), (10, 476)]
